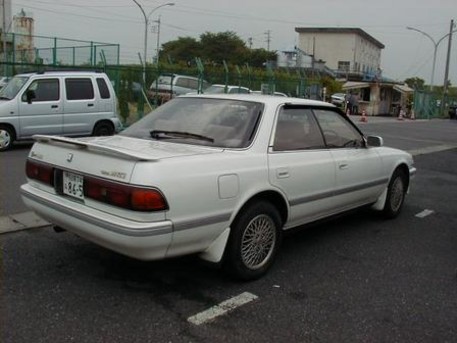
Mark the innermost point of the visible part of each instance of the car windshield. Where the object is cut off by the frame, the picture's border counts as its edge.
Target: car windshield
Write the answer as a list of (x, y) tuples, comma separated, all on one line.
[(13, 87), (201, 121)]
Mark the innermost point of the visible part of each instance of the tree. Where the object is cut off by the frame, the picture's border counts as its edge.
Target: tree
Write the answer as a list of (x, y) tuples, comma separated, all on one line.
[(258, 57), (182, 49), (415, 82), (217, 47)]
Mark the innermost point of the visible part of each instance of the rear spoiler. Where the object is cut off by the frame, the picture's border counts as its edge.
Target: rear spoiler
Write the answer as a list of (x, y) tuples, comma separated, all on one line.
[(78, 144)]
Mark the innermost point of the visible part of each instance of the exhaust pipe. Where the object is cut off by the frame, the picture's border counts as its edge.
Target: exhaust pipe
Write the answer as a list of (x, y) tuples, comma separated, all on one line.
[(58, 229)]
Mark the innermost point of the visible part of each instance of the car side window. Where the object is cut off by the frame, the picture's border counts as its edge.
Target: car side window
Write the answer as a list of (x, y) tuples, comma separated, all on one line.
[(338, 133), (103, 88), (193, 84), (43, 90), (79, 89), (181, 82), (297, 129)]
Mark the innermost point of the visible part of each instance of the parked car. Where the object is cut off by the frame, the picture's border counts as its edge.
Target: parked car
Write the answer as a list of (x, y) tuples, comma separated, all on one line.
[(57, 103), (338, 99), (222, 176), (275, 93), (167, 86), (221, 89)]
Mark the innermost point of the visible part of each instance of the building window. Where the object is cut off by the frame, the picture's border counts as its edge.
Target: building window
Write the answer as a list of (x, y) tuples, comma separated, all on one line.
[(344, 65)]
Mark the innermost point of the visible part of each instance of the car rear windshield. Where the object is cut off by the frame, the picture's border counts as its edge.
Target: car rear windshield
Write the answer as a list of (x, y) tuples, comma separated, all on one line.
[(201, 121)]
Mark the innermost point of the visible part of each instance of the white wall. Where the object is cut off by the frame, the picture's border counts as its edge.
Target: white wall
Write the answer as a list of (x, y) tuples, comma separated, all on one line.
[(334, 47)]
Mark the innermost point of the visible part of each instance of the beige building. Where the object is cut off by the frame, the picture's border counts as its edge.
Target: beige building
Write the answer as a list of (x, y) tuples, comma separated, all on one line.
[(24, 39), (344, 50)]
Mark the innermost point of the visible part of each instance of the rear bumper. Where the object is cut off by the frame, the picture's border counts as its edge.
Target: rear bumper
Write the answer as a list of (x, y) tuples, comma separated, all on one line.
[(141, 240)]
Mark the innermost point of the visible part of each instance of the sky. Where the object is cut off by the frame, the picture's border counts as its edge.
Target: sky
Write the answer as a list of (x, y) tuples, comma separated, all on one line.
[(406, 54)]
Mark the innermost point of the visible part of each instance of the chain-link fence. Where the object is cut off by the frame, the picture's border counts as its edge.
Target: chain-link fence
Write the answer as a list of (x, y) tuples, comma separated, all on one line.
[(27, 51), (429, 105), (132, 83)]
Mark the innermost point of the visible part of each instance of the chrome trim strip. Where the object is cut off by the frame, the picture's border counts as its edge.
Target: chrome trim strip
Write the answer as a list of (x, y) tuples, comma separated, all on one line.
[(137, 229), (319, 196), (190, 224)]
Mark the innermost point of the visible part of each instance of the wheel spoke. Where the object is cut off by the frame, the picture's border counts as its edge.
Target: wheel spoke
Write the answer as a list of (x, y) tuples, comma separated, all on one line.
[(258, 242)]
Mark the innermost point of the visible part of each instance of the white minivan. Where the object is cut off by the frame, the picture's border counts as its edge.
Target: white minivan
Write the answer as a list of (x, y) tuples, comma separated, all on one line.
[(57, 103)]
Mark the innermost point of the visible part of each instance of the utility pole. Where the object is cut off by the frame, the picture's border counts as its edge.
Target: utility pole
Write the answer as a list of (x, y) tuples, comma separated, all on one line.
[(448, 57), (268, 33), (250, 43)]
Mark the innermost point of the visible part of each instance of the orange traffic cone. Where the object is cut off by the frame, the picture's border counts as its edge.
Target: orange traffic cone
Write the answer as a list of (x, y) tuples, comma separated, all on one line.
[(364, 117)]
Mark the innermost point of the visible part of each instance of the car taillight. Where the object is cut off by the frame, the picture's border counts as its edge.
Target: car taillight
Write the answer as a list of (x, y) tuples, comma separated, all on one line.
[(125, 196), (40, 172)]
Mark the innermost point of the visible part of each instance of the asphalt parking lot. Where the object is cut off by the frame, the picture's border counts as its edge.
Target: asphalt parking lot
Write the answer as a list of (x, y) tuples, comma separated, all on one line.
[(356, 278)]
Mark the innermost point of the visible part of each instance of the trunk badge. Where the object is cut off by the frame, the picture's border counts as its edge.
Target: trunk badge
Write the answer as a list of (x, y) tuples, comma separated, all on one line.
[(70, 157)]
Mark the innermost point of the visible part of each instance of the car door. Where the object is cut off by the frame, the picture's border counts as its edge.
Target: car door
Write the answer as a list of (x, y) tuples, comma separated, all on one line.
[(81, 107), (359, 172), (40, 108), (300, 165)]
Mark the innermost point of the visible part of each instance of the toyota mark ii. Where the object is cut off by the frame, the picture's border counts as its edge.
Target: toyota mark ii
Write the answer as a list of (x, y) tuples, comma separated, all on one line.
[(222, 176)]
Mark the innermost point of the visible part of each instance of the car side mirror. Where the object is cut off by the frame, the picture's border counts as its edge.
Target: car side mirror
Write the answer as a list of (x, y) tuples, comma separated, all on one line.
[(30, 95), (374, 141)]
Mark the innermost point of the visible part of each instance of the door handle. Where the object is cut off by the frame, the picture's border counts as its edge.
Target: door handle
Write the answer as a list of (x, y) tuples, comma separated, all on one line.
[(344, 166), (282, 173), (90, 105), (54, 106)]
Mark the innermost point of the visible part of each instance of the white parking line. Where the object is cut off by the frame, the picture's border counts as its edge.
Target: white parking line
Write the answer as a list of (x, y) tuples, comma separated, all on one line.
[(424, 213), (431, 149), (221, 309)]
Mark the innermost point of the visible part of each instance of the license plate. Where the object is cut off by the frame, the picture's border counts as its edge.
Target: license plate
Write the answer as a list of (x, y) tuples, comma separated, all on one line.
[(73, 185)]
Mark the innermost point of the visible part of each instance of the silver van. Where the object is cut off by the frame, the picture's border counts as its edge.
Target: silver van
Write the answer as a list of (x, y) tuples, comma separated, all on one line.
[(57, 103)]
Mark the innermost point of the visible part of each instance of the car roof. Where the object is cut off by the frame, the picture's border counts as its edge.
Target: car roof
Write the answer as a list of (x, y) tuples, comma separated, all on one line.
[(267, 99), (228, 86), (62, 73)]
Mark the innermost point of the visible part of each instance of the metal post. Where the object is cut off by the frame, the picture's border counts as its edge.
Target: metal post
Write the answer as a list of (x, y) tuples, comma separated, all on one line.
[(158, 41), (54, 53), (5, 58), (448, 57)]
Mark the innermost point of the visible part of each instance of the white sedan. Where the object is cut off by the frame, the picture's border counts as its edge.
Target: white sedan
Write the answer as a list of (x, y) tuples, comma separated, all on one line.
[(219, 175)]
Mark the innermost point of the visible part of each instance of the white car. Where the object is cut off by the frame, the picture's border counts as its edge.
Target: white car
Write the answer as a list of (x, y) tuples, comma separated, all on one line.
[(221, 89), (219, 175), (338, 99)]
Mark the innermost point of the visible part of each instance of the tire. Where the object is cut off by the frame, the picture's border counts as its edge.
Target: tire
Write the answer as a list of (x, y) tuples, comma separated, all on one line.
[(254, 241), (396, 192), (103, 129), (6, 137)]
